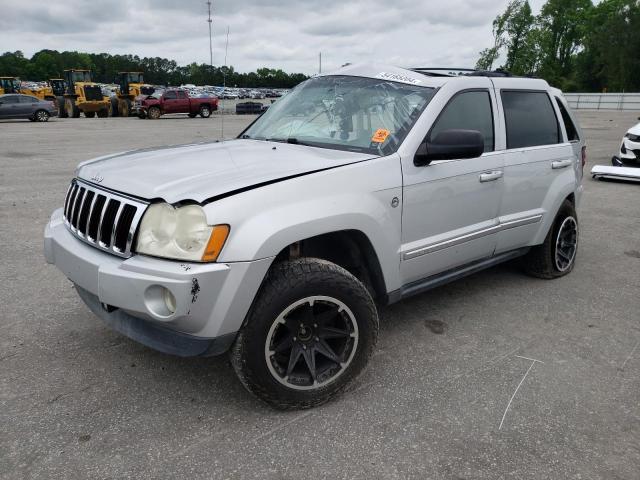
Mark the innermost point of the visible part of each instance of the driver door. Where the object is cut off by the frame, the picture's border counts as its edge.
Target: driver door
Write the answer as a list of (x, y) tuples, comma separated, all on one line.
[(450, 207)]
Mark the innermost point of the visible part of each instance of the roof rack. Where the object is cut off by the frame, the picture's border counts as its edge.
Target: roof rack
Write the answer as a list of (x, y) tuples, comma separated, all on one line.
[(457, 72)]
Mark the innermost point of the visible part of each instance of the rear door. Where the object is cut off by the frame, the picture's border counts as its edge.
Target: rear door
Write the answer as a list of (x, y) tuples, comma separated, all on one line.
[(182, 104), (450, 207), (539, 161), (28, 105)]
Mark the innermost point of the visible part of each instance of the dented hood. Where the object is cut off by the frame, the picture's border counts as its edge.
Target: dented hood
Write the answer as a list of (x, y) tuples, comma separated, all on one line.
[(203, 171)]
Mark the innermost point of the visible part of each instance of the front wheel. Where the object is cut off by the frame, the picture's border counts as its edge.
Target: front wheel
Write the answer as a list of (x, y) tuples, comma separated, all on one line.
[(154, 113), (205, 111), (41, 116), (310, 332), (556, 256)]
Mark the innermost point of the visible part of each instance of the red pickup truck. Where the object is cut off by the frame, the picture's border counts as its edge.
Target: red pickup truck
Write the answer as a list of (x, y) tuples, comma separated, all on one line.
[(174, 101)]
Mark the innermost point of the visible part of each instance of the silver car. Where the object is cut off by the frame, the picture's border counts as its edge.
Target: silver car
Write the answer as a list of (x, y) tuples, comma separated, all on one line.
[(359, 188), (27, 107)]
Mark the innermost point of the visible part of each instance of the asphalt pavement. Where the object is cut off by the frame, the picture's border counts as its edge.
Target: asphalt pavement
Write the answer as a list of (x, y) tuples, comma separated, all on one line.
[(495, 376)]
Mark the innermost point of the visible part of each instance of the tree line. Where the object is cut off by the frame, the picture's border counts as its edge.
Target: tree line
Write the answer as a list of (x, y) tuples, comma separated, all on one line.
[(47, 64), (573, 44)]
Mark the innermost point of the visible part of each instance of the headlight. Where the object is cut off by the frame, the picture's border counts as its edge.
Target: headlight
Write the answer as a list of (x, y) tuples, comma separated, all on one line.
[(180, 233)]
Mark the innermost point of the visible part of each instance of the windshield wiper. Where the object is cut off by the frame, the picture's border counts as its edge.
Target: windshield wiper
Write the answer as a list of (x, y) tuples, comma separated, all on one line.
[(292, 140)]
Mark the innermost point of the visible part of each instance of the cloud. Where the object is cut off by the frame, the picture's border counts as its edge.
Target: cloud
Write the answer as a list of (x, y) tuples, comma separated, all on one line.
[(286, 34)]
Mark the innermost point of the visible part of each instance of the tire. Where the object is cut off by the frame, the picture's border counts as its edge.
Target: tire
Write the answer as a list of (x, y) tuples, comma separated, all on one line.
[(556, 256), (89, 114), (113, 107), (71, 108), (315, 288), (126, 108), (62, 112), (41, 116), (205, 111), (104, 113), (154, 113)]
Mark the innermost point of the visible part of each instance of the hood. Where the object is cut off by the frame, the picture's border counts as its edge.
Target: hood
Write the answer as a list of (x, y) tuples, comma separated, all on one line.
[(635, 130), (202, 171)]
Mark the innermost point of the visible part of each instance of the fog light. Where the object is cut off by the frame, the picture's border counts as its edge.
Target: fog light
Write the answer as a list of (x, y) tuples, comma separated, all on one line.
[(169, 300)]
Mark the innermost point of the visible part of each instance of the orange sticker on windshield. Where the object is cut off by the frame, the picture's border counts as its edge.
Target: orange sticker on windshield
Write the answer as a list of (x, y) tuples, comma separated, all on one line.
[(380, 136)]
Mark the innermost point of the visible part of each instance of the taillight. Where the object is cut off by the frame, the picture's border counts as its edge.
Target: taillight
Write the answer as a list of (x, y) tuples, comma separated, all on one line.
[(584, 157)]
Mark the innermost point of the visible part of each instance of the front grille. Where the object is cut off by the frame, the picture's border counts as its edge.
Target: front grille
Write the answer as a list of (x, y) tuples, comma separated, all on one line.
[(93, 92), (101, 218)]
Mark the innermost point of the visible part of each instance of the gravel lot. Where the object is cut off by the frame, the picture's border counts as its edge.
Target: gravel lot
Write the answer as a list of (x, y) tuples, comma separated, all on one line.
[(80, 401)]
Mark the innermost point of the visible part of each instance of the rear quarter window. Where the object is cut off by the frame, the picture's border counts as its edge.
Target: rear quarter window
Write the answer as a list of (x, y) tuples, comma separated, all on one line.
[(570, 127), (530, 119)]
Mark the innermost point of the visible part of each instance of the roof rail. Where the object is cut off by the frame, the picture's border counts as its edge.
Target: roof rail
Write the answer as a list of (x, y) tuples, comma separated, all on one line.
[(456, 72)]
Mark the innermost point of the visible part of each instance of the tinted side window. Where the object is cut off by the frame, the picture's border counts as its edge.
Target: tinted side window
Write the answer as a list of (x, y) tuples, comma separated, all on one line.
[(170, 95), (9, 99), (182, 95), (530, 119), (572, 131), (468, 111)]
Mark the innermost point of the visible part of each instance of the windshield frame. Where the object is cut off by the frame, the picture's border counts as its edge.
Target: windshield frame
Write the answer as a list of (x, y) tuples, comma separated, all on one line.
[(388, 148)]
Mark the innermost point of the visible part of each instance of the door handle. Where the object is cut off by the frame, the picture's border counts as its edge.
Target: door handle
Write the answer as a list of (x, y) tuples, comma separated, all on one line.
[(491, 176), (561, 164)]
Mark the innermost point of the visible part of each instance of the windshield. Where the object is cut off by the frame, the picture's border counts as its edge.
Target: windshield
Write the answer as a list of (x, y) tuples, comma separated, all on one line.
[(344, 113), (135, 77), (10, 85), (81, 76)]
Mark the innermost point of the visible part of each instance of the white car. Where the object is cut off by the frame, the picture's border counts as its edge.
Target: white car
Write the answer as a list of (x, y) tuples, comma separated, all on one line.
[(629, 154)]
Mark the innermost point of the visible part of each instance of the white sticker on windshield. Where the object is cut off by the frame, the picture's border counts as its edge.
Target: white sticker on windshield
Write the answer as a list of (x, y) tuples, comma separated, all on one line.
[(394, 77)]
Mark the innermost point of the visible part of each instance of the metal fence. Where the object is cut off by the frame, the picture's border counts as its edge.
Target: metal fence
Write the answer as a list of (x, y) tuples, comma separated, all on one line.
[(603, 101)]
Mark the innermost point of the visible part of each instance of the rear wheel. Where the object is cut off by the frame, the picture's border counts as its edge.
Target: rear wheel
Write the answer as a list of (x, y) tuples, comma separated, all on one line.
[(556, 256), (154, 113), (310, 332), (205, 111), (90, 114), (125, 107), (113, 107), (62, 112), (41, 116), (71, 108)]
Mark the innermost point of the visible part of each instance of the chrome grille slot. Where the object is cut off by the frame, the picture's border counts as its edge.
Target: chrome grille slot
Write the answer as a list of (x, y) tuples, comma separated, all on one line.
[(104, 219)]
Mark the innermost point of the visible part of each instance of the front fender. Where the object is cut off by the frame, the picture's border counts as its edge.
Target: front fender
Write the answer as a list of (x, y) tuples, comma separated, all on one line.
[(358, 197)]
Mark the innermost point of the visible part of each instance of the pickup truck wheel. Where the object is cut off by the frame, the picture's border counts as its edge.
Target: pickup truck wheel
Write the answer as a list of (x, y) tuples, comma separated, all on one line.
[(154, 113), (310, 332), (205, 111), (556, 256)]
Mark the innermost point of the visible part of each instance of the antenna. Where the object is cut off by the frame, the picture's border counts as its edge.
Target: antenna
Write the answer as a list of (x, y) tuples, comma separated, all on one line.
[(224, 81), (210, 21)]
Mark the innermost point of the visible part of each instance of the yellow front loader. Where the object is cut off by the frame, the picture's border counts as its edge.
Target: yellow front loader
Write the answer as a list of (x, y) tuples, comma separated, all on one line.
[(83, 95), (130, 85), (9, 85)]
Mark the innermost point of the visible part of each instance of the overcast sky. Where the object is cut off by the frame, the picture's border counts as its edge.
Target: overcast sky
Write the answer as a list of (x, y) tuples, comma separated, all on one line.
[(273, 33)]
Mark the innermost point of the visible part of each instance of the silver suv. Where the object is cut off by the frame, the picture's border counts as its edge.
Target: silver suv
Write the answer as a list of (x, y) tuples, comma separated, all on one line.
[(357, 189)]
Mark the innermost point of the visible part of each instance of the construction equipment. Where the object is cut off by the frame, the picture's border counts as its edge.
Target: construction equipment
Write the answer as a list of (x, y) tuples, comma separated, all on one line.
[(9, 85), (83, 95), (131, 85), (53, 91)]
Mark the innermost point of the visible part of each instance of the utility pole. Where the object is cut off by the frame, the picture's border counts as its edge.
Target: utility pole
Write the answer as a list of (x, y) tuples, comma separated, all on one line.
[(320, 63), (210, 41)]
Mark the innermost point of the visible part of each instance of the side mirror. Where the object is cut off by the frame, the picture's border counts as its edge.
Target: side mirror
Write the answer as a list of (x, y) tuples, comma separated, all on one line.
[(450, 145)]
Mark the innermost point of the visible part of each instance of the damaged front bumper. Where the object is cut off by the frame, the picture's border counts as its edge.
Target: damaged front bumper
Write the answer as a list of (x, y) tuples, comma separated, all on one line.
[(210, 303), (617, 173)]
